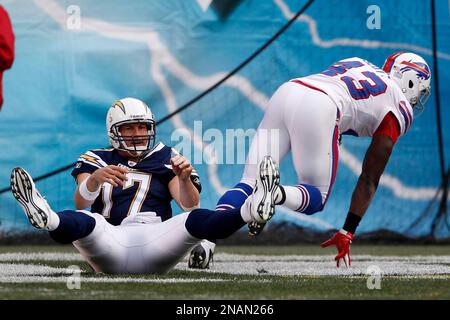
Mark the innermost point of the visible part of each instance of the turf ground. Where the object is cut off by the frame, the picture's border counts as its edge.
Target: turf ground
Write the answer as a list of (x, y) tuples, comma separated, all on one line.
[(239, 272)]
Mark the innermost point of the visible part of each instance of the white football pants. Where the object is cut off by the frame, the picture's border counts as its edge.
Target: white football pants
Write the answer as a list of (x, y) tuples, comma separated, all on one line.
[(135, 247), (302, 120)]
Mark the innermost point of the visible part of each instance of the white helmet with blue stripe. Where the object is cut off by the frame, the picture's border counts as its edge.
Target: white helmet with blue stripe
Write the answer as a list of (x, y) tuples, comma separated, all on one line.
[(412, 74)]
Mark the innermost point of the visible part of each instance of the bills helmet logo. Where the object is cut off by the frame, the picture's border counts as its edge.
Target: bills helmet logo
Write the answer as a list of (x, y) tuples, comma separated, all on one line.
[(422, 70)]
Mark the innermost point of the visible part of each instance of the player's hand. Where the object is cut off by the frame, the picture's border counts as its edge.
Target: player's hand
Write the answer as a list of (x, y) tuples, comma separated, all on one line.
[(181, 167), (114, 175), (342, 240)]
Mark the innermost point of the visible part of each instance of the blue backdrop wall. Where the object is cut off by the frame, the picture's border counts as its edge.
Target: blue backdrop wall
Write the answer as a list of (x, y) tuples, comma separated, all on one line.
[(74, 58)]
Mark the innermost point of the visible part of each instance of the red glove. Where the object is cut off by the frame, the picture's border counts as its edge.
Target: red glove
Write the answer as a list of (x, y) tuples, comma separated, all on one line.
[(342, 240)]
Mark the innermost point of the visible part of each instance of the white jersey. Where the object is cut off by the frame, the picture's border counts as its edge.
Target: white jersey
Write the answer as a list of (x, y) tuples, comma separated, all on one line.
[(364, 94)]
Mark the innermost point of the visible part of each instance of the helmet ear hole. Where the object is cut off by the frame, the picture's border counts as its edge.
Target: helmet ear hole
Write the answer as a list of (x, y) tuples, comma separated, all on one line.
[(410, 84)]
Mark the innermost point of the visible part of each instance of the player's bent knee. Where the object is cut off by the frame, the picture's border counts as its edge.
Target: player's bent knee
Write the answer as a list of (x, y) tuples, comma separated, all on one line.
[(208, 224), (201, 224), (194, 221), (316, 200), (314, 209)]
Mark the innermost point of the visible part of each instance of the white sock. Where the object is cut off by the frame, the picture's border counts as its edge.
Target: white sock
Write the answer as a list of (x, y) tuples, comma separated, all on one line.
[(297, 198), (53, 221), (245, 211), (208, 245)]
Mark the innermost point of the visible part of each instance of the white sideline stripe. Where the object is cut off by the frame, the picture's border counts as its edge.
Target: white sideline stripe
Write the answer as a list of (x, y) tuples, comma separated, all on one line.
[(45, 256), (55, 256), (55, 279), (32, 273), (326, 257), (363, 43), (162, 57), (430, 267), (13, 270), (324, 265)]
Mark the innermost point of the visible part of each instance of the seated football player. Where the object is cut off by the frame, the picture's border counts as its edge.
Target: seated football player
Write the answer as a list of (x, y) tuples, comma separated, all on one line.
[(130, 228)]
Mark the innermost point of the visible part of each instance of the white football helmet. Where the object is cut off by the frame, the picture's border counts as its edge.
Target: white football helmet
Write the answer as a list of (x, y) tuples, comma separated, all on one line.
[(412, 74), (128, 111)]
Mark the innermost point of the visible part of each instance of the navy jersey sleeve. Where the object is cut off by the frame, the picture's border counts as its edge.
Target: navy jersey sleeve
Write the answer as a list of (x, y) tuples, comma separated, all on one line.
[(87, 163), (167, 174)]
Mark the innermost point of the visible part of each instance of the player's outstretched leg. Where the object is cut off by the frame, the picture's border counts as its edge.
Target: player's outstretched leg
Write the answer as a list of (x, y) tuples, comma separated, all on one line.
[(34, 205)]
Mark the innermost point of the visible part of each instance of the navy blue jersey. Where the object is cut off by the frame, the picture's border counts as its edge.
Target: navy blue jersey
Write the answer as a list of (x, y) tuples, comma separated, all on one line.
[(147, 187)]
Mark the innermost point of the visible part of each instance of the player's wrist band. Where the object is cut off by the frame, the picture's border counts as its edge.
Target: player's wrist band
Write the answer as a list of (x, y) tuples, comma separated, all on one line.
[(85, 193), (351, 222)]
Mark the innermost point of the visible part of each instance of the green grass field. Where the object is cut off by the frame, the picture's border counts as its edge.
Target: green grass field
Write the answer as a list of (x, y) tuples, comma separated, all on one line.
[(239, 272)]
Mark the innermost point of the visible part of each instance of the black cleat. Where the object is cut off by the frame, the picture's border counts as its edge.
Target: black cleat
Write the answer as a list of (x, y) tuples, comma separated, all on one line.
[(255, 228), (200, 257)]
